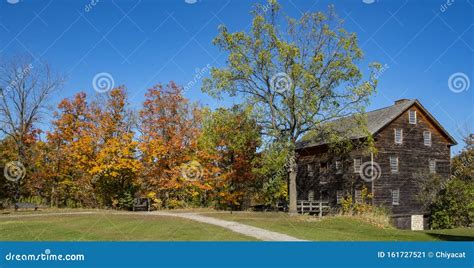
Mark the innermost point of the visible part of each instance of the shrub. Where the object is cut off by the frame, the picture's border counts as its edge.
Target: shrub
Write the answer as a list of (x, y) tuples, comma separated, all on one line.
[(156, 203), (347, 204), (175, 203), (453, 206), (366, 202), (364, 206), (126, 201)]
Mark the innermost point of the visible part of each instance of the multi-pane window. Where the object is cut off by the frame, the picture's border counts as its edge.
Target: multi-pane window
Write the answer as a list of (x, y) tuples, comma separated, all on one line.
[(427, 138), (357, 164), (311, 195), (432, 166), (398, 136), (339, 196), (394, 164), (412, 117), (310, 170), (396, 197), (358, 196), (338, 167), (323, 166)]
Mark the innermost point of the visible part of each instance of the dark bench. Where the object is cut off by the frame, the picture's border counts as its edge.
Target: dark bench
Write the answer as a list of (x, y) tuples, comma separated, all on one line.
[(141, 204), (21, 205)]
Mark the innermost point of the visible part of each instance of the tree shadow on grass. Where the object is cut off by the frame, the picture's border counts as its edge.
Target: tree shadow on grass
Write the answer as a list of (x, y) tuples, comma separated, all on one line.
[(446, 237)]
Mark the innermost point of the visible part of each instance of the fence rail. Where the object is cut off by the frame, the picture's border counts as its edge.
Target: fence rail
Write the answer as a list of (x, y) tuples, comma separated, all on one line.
[(306, 206)]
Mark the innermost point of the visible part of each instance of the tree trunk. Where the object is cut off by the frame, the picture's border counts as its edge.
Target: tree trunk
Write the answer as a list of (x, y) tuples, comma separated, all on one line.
[(292, 210), (292, 194)]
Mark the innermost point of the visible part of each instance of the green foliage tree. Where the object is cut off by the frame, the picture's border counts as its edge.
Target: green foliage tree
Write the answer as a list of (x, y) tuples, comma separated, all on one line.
[(298, 77), (454, 205), (451, 201), (463, 164), (272, 182), (232, 137)]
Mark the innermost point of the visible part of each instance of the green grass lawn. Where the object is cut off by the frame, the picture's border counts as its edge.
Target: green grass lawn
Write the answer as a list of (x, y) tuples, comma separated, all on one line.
[(109, 227), (339, 228)]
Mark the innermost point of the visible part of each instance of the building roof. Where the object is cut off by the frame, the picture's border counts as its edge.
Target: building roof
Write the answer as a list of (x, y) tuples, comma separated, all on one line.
[(376, 121)]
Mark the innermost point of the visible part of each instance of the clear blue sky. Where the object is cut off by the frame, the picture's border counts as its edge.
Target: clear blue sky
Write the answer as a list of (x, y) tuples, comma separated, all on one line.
[(141, 43)]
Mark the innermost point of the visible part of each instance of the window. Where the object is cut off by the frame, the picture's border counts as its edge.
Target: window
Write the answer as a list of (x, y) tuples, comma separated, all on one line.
[(310, 170), (394, 164), (311, 195), (357, 163), (427, 138), (396, 197), (339, 197), (323, 166), (432, 166), (358, 196), (338, 167), (412, 117), (398, 136)]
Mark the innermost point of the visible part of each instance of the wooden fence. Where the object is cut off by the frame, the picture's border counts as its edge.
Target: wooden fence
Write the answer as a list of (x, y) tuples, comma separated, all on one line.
[(310, 207)]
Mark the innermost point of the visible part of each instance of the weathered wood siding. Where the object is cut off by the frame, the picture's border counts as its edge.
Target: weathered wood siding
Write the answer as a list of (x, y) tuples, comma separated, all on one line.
[(413, 157)]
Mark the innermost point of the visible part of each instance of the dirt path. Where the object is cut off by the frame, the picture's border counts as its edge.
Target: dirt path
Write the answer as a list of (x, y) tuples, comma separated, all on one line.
[(240, 228)]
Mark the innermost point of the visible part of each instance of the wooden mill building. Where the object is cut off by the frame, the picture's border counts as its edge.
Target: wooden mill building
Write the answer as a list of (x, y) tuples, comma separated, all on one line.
[(409, 143)]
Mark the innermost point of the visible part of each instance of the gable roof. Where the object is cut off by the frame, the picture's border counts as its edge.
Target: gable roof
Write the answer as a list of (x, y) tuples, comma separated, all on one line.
[(376, 121)]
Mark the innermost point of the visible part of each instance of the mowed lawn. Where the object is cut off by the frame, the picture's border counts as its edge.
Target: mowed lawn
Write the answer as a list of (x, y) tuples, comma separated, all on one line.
[(110, 227), (339, 228)]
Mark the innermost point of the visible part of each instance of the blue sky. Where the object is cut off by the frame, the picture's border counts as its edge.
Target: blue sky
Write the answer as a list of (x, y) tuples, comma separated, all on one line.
[(141, 43)]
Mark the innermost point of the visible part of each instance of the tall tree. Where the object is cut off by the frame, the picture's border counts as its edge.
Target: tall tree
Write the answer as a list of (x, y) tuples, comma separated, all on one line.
[(169, 127), (115, 169), (70, 152), (299, 77), (232, 136), (24, 91)]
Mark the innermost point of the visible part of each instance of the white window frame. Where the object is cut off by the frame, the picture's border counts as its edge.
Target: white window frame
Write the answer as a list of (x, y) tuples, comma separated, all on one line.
[(396, 197), (427, 138), (412, 117), (432, 166), (338, 167), (339, 196), (310, 169), (310, 195), (358, 196), (392, 169), (357, 165), (400, 137)]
